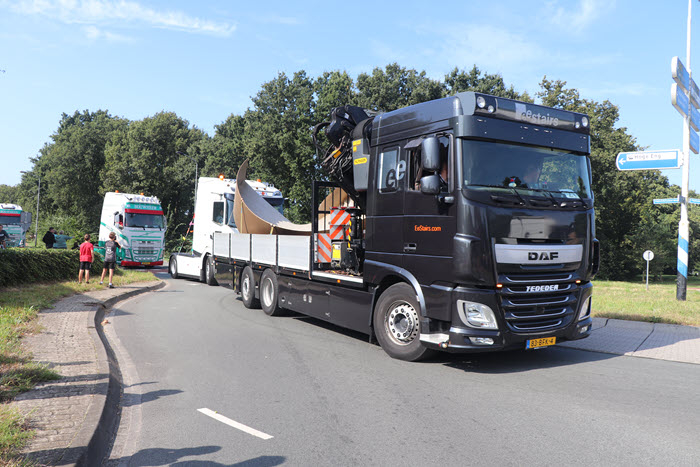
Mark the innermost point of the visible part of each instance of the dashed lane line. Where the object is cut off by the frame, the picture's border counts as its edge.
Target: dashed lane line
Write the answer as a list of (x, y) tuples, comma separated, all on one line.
[(234, 424)]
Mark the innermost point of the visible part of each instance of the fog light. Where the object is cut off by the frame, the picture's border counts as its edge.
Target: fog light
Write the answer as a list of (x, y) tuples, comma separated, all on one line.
[(476, 315), (491, 109), (481, 340), (584, 121), (583, 329), (585, 310), (481, 102)]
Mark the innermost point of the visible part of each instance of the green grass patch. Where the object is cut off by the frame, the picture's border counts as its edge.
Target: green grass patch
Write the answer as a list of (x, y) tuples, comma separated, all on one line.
[(19, 307), (14, 435), (632, 301)]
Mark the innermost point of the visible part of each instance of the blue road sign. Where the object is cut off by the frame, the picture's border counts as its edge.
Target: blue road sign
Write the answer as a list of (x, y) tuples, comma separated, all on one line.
[(694, 143), (667, 200), (680, 75), (694, 200), (680, 101), (646, 160)]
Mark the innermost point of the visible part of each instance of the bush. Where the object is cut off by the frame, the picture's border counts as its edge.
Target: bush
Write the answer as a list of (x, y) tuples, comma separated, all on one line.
[(23, 266)]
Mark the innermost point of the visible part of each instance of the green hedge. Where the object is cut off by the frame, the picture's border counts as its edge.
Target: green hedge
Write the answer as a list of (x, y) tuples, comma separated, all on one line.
[(23, 265)]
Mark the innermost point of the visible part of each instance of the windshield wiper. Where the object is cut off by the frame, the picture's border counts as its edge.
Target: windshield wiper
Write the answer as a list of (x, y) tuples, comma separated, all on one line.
[(513, 190), (542, 190)]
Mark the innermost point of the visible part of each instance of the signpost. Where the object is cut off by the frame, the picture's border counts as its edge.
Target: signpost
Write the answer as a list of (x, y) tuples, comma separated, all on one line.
[(648, 256), (646, 160)]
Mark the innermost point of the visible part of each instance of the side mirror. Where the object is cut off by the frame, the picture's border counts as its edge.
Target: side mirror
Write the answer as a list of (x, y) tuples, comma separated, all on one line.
[(430, 184), (430, 154)]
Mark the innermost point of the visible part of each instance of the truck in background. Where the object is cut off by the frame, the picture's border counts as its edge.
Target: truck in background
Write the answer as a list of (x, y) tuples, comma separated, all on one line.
[(16, 223), (139, 224), (471, 229), (213, 213)]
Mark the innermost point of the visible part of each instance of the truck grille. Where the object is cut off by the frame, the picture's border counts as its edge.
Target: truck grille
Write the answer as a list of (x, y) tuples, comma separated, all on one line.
[(534, 303)]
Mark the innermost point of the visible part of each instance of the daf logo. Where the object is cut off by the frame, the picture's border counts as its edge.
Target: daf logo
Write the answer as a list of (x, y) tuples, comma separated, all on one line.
[(542, 255), (542, 288)]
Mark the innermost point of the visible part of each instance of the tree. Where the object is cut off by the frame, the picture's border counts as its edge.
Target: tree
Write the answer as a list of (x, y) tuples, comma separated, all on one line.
[(278, 139), (460, 80), (71, 166), (395, 87), (143, 158)]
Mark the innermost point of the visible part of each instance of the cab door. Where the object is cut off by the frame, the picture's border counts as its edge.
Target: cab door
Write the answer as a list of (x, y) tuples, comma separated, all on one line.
[(384, 223), (429, 221)]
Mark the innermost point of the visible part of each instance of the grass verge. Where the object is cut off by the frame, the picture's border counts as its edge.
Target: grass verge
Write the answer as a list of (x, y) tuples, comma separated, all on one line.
[(631, 301), (19, 307)]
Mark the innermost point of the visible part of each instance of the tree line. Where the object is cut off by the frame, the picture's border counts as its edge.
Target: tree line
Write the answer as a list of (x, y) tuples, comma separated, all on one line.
[(93, 152)]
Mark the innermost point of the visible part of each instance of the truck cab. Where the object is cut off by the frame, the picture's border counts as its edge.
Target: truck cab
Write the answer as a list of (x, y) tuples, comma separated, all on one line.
[(139, 224), (213, 214), (16, 222), (484, 204)]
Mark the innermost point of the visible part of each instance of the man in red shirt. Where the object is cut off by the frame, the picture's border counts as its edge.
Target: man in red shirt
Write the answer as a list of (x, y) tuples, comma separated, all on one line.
[(86, 257)]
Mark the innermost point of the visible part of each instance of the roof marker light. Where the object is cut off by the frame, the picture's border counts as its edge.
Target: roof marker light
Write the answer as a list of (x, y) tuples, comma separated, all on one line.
[(221, 177)]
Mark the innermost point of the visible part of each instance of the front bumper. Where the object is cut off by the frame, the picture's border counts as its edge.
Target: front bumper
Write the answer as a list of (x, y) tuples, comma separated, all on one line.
[(511, 334)]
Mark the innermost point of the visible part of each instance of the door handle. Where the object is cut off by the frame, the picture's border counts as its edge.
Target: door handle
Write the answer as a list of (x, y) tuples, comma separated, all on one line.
[(409, 247)]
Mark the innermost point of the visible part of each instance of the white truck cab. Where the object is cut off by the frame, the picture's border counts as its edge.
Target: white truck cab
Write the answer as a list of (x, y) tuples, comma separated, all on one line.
[(140, 226), (16, 222), (213, 213)]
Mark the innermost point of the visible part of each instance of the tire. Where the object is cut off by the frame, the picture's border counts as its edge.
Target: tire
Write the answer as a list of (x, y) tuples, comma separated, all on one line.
[(269, 294), (396, 323), (172, 267), (209, 271), (248, 289)]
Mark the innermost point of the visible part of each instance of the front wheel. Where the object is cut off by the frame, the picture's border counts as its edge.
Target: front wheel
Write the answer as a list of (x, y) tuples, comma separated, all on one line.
[(172, 267), (248, 289), (397, 323), (209, 271)]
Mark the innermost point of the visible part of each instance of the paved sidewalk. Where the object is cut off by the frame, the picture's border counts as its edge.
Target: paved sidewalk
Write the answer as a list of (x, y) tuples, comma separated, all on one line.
[(65, 413), (650, 340)]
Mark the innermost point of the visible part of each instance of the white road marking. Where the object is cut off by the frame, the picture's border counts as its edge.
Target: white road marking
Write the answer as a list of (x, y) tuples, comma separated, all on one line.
[(234, 424)]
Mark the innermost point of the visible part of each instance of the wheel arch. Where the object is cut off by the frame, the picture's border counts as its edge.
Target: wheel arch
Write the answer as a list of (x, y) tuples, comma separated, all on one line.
[(385, 275)]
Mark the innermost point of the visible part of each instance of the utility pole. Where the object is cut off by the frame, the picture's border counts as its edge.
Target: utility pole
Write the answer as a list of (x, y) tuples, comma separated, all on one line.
[(683, 234)]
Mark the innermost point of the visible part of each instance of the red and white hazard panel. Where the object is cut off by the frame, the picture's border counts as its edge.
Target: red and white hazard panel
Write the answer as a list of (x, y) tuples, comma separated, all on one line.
[(323, 248), (340, 219)]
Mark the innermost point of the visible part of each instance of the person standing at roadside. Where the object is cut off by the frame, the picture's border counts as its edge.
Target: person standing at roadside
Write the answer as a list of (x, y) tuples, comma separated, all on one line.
[(61, 240), (3, 237), (49, 238), (86, 257), (111, 246)]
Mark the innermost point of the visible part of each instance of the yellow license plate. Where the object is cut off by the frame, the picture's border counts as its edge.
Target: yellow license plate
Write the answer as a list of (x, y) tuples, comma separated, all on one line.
[(541, 342)]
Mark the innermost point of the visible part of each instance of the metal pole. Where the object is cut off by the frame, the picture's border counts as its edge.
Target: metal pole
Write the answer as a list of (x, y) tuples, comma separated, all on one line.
[(647, 275), (683, 234), (36, 225)]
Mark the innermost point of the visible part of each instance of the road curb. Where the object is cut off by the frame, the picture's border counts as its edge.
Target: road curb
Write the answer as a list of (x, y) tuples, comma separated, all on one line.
[(102, 419)]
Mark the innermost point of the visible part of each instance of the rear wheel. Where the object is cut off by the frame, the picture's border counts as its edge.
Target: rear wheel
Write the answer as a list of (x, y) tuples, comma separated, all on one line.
[(248, 289), (209, 271), (172, 267), (269, 294), (397, 323)]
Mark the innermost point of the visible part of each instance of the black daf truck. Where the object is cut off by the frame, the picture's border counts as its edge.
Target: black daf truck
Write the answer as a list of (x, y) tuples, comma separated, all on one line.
[(471, 228)]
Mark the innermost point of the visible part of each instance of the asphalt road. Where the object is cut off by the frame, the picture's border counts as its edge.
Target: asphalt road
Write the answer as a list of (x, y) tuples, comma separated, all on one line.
[(210, 382)]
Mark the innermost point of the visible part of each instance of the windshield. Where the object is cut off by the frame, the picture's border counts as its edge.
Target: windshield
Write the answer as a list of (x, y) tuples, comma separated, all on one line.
[(148, 221), (277, 203), (9, 219), (503, 167)]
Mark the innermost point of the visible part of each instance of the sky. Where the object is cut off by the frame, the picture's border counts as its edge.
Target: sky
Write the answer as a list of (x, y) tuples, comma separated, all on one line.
[(205, 60)]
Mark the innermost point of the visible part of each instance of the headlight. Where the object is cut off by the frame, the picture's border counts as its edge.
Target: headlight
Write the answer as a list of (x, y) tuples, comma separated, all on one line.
[(476, 315), (585, 310)]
